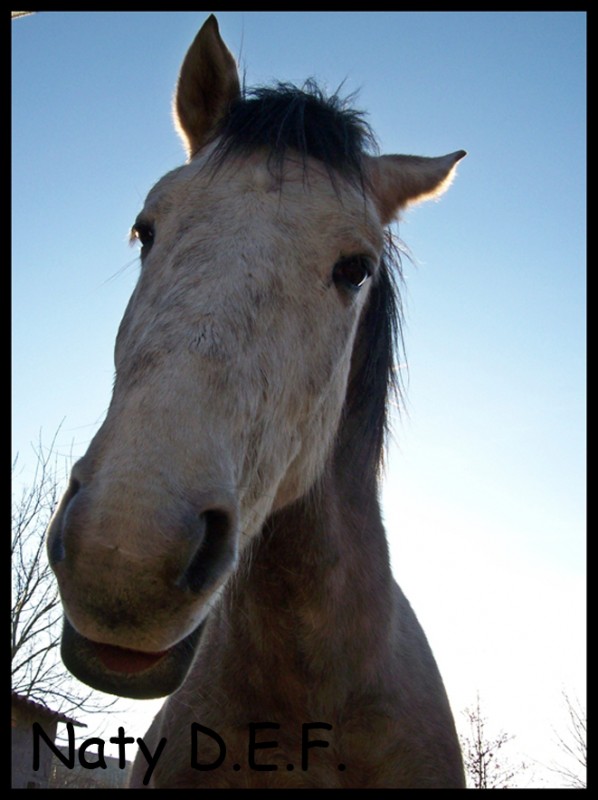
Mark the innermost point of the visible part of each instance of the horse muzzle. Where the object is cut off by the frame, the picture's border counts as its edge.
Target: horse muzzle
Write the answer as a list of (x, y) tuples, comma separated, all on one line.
[(138, 582)]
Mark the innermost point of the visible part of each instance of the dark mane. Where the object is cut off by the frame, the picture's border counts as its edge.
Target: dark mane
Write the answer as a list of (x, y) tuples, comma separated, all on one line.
[(377, 365), (305, 121)]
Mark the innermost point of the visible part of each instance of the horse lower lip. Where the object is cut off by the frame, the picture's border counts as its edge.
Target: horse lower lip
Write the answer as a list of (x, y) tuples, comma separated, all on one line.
[(121, 659)]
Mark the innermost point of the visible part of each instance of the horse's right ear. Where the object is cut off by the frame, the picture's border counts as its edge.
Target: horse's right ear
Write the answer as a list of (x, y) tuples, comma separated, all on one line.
[(208, 84)]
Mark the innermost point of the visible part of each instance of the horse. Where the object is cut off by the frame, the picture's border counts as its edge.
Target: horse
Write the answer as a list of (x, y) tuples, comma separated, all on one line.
[(221, 540)]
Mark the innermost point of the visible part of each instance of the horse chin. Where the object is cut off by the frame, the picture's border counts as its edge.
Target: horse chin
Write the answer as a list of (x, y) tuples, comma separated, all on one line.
[(128, 673)]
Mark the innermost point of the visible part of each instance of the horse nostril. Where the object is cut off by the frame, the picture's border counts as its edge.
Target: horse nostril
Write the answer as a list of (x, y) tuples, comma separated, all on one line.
[(56, 551), (215, 554)]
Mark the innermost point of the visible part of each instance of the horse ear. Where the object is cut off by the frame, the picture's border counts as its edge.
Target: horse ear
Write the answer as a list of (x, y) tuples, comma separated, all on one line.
[(398, 181), (208, 83)]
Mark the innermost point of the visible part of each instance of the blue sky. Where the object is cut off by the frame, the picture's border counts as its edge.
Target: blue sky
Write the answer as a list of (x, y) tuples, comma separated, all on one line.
[(485, 491)]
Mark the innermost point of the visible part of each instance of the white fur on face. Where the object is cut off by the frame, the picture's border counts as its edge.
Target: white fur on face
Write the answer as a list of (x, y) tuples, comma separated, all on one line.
[(233, 355), (232, 363)]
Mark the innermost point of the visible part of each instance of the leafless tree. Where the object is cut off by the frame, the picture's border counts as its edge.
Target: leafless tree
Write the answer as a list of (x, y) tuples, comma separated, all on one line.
[(573, 746), (37, 670), (486, 766)]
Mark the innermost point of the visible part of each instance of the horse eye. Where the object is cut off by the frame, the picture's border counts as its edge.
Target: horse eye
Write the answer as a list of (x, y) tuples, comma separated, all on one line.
[(352, 272), (144, 233)]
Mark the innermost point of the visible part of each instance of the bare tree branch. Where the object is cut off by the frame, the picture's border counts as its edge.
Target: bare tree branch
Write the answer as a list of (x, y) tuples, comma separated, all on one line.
[(573, 746), (485, 766), (36, 616)]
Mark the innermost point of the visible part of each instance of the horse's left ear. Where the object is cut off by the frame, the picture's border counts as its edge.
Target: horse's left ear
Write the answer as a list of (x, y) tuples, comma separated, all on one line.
[(208, 84), (397, 181)]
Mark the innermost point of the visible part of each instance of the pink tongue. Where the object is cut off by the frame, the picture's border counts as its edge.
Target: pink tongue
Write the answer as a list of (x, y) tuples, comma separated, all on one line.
[(120, 659)]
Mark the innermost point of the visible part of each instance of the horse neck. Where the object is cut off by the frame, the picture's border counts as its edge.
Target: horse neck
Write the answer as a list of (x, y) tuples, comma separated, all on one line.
[(316, 582)]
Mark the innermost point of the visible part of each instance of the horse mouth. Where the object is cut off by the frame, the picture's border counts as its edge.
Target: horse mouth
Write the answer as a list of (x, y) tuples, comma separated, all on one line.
[(125, 672), (122, 659)]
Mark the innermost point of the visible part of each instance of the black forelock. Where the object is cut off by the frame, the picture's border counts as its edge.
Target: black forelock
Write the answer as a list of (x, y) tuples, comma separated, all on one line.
[(304, 120)]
